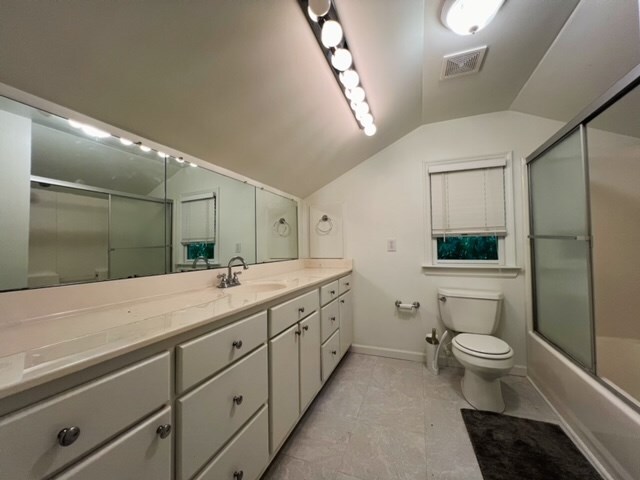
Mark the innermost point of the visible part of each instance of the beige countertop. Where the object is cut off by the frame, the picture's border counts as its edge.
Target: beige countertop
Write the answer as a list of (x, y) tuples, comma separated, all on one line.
[(43, 349)]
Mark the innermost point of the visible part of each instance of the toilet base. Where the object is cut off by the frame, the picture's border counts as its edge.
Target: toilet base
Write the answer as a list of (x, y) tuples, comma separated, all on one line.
[(481, 392)]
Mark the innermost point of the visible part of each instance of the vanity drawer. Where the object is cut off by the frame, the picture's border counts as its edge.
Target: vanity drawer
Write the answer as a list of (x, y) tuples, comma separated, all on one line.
[(210, 415), (344, 284), (204, 356), (329, 320), (328, 292), (288, 313), (139, 454), (30, 447), (245, 456), (330, 355)]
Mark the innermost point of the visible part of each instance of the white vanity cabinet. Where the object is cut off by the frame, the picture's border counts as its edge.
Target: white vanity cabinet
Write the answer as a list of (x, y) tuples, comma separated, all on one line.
[(43, 438), (345, 306), (294, 365)]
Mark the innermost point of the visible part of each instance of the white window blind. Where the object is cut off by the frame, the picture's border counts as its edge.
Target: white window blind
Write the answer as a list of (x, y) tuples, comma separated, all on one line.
[(198, 220), (468, 198)]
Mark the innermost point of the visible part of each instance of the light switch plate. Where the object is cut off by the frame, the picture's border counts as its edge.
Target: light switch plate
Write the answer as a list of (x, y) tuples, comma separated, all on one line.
[(391, 245)]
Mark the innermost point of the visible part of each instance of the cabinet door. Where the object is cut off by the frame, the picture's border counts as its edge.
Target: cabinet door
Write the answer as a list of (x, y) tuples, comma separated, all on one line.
[(310, 378), (140, 454), (284, 374), (346, 322)]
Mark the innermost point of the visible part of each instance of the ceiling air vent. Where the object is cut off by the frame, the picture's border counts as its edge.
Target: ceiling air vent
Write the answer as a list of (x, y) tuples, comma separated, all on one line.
[(462, 63)]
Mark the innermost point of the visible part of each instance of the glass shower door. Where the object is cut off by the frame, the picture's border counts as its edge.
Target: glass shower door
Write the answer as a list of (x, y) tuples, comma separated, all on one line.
[(561, 249)]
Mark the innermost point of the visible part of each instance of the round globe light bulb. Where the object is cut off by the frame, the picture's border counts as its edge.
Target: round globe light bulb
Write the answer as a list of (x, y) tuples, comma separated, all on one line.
[(362, 108), (350, 78), (319, 7), (466, 17), (341, 59), (357, 95), (312, 15), (366, 119), (370, 130), (347, 93), (331, 34)]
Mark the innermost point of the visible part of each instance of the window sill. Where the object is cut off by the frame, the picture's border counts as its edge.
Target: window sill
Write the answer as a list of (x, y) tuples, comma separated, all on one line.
[(503, 271)]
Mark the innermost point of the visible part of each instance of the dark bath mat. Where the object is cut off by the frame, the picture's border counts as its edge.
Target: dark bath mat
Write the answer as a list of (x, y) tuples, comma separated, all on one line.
[(509, 448)]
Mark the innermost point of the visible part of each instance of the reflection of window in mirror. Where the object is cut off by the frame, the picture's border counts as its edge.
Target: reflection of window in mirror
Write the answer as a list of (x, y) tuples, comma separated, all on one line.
[(199, 220)]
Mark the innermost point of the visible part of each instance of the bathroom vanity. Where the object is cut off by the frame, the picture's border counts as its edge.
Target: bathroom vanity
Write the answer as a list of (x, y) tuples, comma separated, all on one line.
[(200, 385)]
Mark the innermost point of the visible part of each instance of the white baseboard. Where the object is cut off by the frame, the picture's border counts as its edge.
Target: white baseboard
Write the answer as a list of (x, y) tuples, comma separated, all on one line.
[(518, 370)]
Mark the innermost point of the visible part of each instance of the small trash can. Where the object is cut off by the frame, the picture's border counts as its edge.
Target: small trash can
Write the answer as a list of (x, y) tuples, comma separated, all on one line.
[(430, 349)]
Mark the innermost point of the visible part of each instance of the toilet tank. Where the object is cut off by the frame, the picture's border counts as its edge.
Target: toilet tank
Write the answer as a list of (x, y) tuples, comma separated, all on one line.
[(470, 311)]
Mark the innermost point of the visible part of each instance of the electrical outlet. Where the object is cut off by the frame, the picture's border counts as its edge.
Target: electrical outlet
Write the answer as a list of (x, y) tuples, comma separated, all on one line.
[(391, 245)]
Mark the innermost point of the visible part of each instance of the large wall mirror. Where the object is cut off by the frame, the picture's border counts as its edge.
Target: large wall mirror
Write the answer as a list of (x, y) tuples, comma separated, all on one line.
[(80, 205)]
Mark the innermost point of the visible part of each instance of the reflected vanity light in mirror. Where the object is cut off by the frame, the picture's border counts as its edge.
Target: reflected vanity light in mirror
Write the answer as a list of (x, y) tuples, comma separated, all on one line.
[(126, 142)]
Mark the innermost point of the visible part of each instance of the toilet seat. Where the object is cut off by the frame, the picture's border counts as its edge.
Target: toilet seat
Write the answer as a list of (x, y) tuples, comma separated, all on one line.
[(482, 346)]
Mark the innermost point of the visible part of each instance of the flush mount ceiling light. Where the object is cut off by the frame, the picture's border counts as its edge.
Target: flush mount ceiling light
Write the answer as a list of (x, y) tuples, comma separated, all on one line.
[(466, 17), (327, 28)]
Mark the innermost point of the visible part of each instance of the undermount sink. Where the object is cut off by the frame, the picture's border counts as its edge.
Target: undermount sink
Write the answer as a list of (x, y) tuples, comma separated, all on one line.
[(263, 287)]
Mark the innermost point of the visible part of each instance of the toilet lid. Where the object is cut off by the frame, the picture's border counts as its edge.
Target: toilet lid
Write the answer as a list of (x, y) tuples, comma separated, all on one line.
[(482, 344)]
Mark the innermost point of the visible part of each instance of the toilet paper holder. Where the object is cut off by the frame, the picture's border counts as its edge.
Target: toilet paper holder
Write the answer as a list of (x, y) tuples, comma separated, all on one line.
[(407, 306)]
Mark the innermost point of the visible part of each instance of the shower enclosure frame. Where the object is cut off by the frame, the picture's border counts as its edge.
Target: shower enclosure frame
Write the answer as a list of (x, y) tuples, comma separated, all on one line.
[(579, 124)]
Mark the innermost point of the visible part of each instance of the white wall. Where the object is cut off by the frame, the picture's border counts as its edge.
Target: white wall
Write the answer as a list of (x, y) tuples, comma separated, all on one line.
[(15, 161), (383, 199)]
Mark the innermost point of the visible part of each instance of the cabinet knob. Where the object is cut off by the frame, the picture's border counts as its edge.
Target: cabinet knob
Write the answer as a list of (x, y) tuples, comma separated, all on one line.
[(67, 436), (334, 352), (237, 399), (341, 301), (332, 292), (301, 310), (164, 431), (237, 475), (347, 284), (237, 344), (305, 328), (333, 319)]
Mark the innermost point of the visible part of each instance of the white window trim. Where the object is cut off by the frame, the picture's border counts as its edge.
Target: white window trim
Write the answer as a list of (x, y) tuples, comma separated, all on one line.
[(506, 265), (182, 248)]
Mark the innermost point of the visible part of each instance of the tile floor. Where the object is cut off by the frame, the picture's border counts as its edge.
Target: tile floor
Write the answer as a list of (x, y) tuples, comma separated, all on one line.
[(385, 419)]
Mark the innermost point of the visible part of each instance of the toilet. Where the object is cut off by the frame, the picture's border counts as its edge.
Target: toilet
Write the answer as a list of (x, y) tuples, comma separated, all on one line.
[(472, 316)]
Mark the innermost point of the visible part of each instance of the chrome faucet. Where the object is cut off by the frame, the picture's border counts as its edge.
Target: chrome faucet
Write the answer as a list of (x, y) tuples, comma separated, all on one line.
[(201, 257), (230, 279)]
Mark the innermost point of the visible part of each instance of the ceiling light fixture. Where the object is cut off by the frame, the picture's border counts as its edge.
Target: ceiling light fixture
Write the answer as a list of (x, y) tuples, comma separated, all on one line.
[(466, 17), (323, 19)]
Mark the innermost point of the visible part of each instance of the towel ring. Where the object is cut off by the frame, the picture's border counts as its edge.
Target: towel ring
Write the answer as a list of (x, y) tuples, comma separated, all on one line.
[(281, 227), (324, 230)]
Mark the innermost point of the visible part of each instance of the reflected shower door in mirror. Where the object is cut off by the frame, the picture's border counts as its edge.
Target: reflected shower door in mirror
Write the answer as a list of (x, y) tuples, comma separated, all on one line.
[(613, 140), (77, 204), (276, 227), (214, 217)]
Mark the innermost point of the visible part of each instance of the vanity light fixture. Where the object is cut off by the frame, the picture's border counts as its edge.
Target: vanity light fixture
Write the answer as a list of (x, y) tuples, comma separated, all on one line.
[(327, 28), (466, 17)]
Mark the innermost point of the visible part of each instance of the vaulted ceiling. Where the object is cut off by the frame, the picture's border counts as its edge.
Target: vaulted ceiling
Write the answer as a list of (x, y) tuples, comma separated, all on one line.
[(244, 85)]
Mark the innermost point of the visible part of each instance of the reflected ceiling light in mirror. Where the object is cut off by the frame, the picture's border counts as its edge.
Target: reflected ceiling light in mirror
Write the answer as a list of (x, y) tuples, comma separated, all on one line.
[(466, 17), (325, 24), (144, 148), (162, 155), (191, 164), (126, 142), (88, 129), (179, 159), (74, 124)]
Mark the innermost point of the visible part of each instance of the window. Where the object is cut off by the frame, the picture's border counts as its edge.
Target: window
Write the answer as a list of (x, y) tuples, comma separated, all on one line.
[(469, 213), (198, 232)]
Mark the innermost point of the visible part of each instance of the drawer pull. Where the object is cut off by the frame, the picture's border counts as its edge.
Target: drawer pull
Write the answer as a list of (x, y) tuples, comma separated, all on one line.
[(301, 310), (332, 292), (298, 332), (341, 301), (305, 328), (237, 399), (238, 475), (347, 284), (237, 344), (333, 319), (334, 352), (67, 436), (164, 431)]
